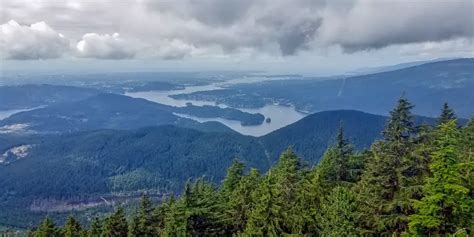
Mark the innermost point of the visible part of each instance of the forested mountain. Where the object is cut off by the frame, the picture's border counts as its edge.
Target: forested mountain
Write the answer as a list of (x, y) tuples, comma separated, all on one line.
[(428, 86), (414, 181), (29, 96), (158, 159), (91, 164), (113, 111)]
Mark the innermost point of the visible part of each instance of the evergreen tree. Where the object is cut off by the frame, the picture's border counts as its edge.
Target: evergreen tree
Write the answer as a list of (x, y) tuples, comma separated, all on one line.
[(177, 215), (196, 213), (392, 176), (265, 219), (134, 227), (234, 174), (400, 127), (72, 228), (447, 114), (205, 209), (334, 168), (339, 213), (274, 210), (446, 206), (116, 225), (466, 147), (95, 227), (158, 218), (240, 201), (47, 229), (145, 217)]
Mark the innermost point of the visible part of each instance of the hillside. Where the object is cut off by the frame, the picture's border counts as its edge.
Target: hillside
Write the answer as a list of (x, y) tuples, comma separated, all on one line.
[(428, 86), (91, 164), (30, 96), (112, 111)]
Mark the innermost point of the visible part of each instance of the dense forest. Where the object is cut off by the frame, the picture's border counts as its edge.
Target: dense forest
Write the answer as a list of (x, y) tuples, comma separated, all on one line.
[(414, 181)]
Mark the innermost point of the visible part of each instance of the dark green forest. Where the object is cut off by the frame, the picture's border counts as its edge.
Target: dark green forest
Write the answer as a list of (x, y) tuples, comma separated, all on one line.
[(413, 181)]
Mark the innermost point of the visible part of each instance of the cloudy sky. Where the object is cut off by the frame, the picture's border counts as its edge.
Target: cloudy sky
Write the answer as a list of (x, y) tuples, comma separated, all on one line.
[(299, 36)]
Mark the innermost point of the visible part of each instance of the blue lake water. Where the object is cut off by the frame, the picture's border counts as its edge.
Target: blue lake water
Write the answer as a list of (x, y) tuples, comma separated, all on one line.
[(280, 116)]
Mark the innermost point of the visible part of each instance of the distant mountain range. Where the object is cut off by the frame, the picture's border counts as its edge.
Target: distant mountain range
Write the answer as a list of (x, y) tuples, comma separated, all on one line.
[(372, 70), (427, 85), (29, 96)]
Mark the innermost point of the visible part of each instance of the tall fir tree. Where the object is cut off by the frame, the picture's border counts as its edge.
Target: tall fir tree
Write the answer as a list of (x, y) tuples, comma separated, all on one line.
[(95, 228), (276, 198), (234, 174), (145, 213), (447, 114), (334, 168), (158, 218), (116, 225), (392, 176), (446, 206), (338, 213), (134, 226), (466, 147), (240, 201), (265, 218), (47, 229), (72, 228)]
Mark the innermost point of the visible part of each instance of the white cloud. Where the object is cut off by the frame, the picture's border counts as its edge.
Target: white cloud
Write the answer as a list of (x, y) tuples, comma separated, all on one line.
[(178, 29), (37, 41), (175, 49), (104, 46)]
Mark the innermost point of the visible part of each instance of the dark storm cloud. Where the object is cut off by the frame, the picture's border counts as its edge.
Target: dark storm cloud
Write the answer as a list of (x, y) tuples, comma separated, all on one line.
[(378, 24), (295, 25)]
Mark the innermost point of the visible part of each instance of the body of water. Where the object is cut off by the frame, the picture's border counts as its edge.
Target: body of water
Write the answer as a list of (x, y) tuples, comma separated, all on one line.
[(280, 116)]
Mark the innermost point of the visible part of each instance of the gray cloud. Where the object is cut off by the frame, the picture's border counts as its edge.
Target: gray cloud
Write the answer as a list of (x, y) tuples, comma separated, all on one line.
[(37, 41), (377, 24), (296, 25), (271, 27)]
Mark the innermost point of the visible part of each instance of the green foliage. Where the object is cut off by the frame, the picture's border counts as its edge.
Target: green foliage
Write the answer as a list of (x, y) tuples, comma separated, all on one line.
[(446, 206), (414, 182), (447, 114), (234, 174), (339, 214), (72, 228), (335, 168), (241, 201), (116, 225), (95, 228), (47, 229), (276, 198)]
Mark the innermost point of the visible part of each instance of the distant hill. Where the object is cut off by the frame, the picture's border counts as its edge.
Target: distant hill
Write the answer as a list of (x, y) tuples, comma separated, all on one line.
[(313, 134), (372, 70), (427, 86), (30, 96), (113, 111)]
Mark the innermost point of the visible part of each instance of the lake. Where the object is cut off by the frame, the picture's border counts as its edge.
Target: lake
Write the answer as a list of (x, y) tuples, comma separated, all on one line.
[(280, 115)]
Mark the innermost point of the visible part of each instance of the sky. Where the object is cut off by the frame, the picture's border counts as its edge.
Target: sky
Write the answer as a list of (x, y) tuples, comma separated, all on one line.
[(310, 37)]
